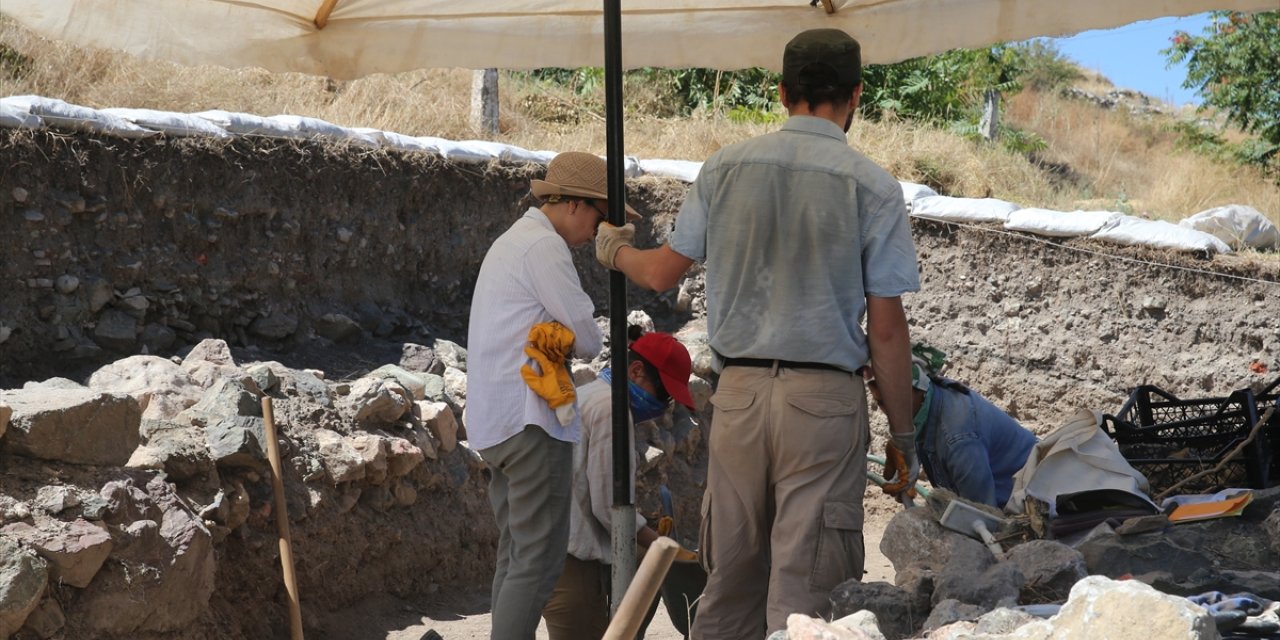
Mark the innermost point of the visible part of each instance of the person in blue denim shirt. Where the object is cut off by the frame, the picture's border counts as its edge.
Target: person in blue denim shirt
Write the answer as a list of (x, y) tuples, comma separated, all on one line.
[(964, 442)]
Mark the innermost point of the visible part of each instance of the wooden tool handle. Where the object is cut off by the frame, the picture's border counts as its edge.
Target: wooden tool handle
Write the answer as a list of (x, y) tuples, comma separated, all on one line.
[(635, 604), (282, 520)]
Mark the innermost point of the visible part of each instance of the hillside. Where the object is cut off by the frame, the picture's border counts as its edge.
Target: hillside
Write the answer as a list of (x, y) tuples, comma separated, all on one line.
[(1100, 153)]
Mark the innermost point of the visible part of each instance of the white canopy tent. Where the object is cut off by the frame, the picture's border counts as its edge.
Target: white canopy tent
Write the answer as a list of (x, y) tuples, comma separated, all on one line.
[(361, 37)]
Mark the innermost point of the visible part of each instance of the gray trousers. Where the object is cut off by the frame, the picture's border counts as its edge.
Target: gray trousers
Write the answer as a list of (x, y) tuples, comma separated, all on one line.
[(530, 490)]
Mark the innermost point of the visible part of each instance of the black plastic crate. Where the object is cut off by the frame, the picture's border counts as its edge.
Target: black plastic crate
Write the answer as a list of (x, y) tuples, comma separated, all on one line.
[(1169, 439), (1269, 396)]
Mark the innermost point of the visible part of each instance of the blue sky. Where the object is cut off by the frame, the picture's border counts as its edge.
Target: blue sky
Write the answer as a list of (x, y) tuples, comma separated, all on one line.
[(1130, 56)]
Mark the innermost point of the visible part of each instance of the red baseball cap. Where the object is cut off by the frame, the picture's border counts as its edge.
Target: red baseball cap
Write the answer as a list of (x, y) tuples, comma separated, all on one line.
[(672, 361)]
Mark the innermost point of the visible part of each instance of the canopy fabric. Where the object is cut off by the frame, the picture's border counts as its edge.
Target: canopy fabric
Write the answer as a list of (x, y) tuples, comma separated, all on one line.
[(362, 37)]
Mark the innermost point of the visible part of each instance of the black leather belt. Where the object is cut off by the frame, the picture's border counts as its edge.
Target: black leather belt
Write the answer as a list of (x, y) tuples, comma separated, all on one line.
[(781, 364)]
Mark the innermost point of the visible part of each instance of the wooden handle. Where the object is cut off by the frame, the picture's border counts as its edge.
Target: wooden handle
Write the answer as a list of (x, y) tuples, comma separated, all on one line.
[(635, 604), (282, 521)]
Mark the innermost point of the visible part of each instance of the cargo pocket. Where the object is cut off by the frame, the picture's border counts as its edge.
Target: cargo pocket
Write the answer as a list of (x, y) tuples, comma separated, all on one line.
[(704, 534), (839, 555)]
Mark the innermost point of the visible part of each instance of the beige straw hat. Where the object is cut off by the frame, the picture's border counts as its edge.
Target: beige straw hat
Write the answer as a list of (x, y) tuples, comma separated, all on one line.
[(578, 174)]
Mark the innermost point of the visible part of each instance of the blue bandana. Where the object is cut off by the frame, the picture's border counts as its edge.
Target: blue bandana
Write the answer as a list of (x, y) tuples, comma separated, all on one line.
[(643, 405)]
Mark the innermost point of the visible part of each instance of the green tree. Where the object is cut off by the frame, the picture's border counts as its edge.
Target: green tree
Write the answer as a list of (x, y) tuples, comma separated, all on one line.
[(1233, 66)]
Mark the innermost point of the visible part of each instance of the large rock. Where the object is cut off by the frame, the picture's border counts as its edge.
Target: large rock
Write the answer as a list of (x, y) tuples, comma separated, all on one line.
[(950, 611), (161, 387), (802, 627), (419, 358), (900, 614), (973, 576), (377, 401), (440, 420), (116, 330), (227, 397), (1050, 568), (415, 383), (80, 426), (182, 451), (209, 361), (402, 457), (913, 537), (1104, 609), (373, 449), (451, 354), (161, 575), (46, 621), (23, 576), (237, 441), (75, 550), (1109, 554), (341, 460)]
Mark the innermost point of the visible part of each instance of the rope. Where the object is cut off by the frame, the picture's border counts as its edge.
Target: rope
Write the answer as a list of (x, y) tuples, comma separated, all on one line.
[(1101, 254)]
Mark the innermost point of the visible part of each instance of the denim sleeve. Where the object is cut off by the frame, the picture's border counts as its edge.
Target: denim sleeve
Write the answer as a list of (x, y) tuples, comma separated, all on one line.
[(969, 467)]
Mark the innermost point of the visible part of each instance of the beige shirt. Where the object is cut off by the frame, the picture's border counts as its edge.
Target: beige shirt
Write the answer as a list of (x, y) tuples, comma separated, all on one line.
[(590, 512)]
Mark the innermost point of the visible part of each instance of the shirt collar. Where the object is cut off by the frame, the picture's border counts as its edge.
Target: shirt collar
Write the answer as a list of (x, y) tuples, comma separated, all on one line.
[(538, 216), (815, 125)]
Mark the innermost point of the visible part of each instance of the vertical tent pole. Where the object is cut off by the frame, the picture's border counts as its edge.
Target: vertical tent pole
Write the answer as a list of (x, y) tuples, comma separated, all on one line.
[(624, 509)]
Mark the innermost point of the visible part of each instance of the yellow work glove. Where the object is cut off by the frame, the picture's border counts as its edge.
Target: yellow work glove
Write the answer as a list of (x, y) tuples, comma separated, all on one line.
[(897, 473), (609, 239), (549, 345), (665, 526)]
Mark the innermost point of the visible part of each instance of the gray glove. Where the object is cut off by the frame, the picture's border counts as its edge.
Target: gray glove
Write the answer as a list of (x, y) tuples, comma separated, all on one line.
[(609, 239), (905, 443)]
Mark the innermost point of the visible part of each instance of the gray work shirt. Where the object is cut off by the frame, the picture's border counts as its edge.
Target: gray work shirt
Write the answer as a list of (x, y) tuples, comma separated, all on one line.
[(796, 229)]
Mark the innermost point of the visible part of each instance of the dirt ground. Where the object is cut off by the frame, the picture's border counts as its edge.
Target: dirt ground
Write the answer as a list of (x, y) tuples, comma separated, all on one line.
[(466, 616)]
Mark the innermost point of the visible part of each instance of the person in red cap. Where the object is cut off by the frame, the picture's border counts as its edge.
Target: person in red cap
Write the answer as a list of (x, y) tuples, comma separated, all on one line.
[(658, 372)]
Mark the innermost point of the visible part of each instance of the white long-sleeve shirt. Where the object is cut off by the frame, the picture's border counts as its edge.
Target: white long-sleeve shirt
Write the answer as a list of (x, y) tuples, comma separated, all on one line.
[(527, 278), (590, 513)]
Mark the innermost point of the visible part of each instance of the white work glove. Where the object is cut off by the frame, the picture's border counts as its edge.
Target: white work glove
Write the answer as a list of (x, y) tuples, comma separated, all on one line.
[(609, 239), (904, 479)]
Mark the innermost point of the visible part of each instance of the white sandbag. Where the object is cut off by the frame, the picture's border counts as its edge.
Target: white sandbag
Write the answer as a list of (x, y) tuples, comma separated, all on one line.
[(680, 169), (1237, 225), (1059, 224), (962, 209), (317, 129), (15, 117), (1158, 233), (62, 115), (458, 151), (506, 152), (248, 124), (168, 122), (912, 190)]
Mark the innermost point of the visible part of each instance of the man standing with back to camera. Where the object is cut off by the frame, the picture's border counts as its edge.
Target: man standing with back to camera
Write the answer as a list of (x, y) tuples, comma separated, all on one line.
[(800, 236)]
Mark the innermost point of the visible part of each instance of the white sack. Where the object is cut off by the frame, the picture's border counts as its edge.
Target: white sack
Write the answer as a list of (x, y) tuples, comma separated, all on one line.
[(247, 124), (951, 209), (458, 151), (317, 129), (912, 190), (1158, 233), (680, 169), (1237, 225), (15, 117), (62, 115), (168, 122), (1059, 224)]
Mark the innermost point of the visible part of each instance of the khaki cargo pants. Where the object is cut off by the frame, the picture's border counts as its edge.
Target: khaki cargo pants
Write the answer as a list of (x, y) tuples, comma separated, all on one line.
[(782, 513)]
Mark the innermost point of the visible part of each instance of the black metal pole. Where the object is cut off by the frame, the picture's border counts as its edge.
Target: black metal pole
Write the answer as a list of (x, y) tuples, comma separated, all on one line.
[(623, 512)]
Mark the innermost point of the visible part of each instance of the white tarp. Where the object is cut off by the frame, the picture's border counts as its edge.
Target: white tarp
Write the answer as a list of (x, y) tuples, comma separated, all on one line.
[(362, 37), (911, 191), (1059, 224), (1160, 234), (15, 117), (1237, 225)]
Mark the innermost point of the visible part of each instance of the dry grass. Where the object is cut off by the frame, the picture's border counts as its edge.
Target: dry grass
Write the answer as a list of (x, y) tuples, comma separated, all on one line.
[(1132, 162), (1099, 158)]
